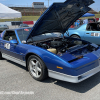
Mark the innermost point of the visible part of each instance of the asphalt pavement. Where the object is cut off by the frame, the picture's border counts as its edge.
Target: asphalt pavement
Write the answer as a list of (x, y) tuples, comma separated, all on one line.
[(14, 78)]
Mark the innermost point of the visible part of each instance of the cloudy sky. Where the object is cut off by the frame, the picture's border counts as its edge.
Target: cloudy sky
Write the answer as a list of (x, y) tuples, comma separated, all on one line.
[(95, 6)]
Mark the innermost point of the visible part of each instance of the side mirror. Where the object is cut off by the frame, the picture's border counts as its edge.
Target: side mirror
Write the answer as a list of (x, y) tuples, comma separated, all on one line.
[(14, 41)]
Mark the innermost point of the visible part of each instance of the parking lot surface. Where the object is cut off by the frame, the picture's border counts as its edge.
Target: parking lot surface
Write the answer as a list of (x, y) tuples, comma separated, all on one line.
[(14, 77)]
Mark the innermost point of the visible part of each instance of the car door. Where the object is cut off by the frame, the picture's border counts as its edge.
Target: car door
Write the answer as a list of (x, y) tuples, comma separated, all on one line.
[(92, 35), (11, 50), (5, 44)]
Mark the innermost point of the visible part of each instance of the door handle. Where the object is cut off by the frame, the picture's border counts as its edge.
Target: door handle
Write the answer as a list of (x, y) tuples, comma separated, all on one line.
[(87, 33)]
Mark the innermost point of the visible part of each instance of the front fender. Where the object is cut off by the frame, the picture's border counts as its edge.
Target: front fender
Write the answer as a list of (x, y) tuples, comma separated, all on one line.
[(51, 60)]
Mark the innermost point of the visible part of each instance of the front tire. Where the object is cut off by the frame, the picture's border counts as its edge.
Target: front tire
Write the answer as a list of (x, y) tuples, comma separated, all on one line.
[(37, 68)]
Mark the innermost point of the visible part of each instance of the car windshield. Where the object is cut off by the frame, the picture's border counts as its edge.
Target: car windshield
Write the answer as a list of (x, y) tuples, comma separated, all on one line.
[(23, 34), (46, 36), (76, 27)]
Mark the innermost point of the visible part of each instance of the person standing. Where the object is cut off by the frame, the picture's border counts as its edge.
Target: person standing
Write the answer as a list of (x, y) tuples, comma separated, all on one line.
[(95, 19), (85, 21)]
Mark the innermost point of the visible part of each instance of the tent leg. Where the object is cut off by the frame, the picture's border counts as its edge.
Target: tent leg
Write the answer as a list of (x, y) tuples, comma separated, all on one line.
[(15, 23)]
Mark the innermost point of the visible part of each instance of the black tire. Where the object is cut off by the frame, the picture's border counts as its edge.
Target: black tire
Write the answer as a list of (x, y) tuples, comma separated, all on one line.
[(0, 56), (75, 36), (0, 31), (37, 66)]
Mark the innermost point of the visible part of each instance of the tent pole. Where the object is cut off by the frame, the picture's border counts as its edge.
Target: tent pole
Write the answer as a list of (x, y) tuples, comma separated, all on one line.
[(15, 24), (21, 19)]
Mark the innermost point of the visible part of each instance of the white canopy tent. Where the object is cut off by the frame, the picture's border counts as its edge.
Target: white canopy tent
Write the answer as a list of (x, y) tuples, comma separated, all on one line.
[(8, 13)]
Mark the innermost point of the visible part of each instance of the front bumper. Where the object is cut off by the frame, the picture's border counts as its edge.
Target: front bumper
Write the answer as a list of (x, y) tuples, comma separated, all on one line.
[(73, 79)]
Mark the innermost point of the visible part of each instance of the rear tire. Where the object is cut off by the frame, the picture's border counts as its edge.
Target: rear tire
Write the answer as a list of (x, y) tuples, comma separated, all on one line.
[(0, 31), (37, 68), (75, 36), (0, 55)]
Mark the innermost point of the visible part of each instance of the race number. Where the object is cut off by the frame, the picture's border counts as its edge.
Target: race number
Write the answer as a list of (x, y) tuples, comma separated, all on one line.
[(95, 34), (7, 45)]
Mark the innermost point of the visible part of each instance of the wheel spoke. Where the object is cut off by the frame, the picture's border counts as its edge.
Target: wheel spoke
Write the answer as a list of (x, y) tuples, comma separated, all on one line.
[(38, 69), (36, 73), (32, 62), (37, 66), (37, 63), (34, 70)]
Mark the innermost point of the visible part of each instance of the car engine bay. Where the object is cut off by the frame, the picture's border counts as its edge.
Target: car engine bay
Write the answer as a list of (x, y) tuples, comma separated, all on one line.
[(72, 46)]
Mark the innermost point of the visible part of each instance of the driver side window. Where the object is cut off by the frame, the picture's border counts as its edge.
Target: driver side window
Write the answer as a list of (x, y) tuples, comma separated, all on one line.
[(9, 35), (93, 27), (89, 28)]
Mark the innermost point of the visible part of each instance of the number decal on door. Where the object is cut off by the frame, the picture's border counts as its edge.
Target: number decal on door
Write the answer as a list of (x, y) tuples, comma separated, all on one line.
[(95, 34), (7, 45)]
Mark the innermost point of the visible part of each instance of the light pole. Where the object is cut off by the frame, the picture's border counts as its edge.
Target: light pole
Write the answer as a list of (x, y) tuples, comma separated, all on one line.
[(48, 2)]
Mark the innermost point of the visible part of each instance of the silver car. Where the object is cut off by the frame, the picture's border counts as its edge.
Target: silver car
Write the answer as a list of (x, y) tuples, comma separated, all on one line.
[(3, 27), (23, 25)]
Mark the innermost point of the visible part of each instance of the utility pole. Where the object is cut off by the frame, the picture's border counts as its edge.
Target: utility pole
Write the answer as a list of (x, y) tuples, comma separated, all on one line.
[(48, 2)]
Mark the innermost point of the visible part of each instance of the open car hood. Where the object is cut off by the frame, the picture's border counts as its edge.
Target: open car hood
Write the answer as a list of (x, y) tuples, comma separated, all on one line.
[(60, 16)]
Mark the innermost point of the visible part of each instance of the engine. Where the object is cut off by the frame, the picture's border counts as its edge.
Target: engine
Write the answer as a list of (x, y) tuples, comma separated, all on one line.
[(73, 46), (68, 46), (60, 45)]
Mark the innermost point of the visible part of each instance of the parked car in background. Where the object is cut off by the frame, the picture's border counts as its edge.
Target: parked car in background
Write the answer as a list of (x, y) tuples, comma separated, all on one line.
[(89, 32), (3, 27), (23, 25)]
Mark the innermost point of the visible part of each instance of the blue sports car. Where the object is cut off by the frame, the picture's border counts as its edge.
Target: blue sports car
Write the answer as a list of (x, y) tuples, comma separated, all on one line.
[(45, 53), (89, 32)]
